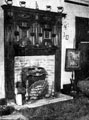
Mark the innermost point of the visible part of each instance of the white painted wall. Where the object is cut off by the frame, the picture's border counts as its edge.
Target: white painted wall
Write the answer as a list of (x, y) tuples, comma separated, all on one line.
[(71, 10), (2, 93)]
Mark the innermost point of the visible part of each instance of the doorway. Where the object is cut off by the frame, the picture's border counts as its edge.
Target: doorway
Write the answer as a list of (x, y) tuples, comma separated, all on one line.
[(82, 43)]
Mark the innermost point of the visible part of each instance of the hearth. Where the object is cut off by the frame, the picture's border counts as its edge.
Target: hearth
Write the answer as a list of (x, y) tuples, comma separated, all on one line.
[(44, 101)]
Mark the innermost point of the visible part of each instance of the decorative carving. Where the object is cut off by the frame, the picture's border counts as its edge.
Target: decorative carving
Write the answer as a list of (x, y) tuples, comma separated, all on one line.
[(22, 43)]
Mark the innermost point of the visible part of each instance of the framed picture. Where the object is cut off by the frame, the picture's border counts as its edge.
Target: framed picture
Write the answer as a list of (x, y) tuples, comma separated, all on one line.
[(47, 34), (72, 60), (78, 2)]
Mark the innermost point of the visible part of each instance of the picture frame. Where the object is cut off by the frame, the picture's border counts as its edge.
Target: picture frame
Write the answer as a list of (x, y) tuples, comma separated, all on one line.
[(47, 34), (78, 2), (73, 60)]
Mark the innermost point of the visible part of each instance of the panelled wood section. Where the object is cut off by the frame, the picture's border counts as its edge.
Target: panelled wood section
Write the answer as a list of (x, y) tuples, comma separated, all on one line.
[(57, 70)]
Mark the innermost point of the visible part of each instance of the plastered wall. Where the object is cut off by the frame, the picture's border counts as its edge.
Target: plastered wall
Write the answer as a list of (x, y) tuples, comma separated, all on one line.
[(2, 93), (68, 32)]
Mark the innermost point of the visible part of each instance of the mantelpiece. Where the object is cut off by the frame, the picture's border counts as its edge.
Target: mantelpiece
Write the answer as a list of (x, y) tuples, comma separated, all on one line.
[(30, 32)]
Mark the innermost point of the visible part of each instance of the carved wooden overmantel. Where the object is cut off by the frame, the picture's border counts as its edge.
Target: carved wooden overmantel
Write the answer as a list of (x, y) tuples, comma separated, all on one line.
[(30, 32)]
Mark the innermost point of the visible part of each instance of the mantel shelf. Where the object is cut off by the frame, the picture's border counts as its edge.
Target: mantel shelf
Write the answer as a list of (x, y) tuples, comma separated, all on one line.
[(35, 51), (17, 8)]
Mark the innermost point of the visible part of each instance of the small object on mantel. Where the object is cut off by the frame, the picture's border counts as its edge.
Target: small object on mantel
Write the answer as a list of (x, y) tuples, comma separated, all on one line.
[(48, 7), (60, 9), (9, 2), (22, 3), (37, 7)]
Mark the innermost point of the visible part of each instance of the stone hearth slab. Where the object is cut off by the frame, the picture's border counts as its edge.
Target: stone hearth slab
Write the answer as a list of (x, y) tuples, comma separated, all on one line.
[(45, 101)]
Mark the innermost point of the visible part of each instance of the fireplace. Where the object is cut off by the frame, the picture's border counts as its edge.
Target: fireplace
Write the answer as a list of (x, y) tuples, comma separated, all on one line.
[(45, 63), (33, 40)]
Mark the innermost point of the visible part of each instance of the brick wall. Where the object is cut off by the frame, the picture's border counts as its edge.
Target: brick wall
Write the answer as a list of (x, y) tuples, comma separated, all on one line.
[(47, 62)]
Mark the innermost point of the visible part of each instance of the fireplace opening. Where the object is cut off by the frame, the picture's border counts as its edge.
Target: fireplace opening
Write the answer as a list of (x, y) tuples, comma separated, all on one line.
[(34, 77), (32, 74), (34, 81)]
